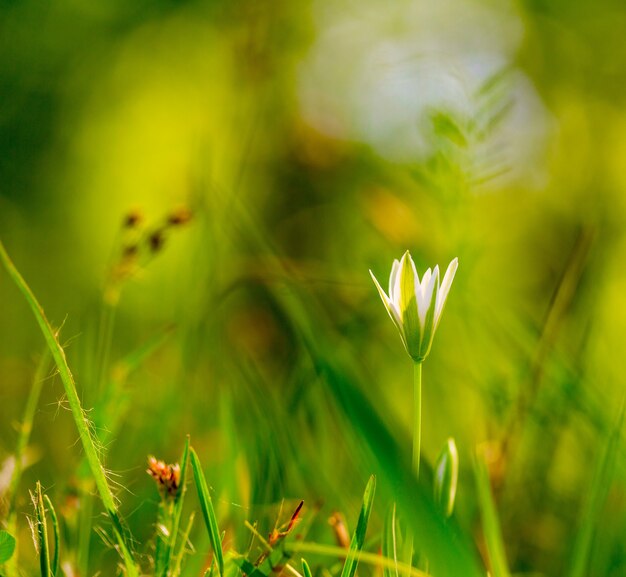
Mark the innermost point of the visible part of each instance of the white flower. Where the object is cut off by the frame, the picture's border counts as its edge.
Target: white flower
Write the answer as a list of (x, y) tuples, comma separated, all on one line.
[(415, 307)]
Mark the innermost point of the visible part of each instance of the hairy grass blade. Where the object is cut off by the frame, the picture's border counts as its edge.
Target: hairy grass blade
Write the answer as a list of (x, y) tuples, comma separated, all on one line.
[(207, 510), (81, 421)]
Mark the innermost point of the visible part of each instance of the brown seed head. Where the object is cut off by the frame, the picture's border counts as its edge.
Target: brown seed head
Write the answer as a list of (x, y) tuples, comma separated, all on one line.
[(132, 219), (166, 476), (130, 250), (156, 240), (179, 217)]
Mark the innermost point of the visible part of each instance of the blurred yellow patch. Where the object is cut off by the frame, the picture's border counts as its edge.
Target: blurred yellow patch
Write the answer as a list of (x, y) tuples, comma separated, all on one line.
[(391, 216)]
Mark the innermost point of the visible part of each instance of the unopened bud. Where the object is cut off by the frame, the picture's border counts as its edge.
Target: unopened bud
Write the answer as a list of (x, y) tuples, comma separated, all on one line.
[(446, 477)]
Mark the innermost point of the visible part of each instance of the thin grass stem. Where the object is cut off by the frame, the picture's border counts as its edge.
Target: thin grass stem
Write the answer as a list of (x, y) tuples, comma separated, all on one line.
[(373, 559)]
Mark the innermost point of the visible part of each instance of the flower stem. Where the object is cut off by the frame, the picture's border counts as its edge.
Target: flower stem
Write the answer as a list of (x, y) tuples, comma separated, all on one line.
[(417, 416)]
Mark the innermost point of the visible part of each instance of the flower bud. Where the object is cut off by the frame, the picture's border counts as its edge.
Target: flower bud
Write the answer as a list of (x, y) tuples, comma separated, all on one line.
[(416, 306), (446, 477)]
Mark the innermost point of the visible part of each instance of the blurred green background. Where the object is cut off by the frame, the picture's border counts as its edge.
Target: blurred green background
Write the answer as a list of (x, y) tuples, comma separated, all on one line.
[(312, 141)]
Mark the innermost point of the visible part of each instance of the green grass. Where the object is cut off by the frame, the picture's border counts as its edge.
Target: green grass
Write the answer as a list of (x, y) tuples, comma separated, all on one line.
[(440, 542), (279, 370)]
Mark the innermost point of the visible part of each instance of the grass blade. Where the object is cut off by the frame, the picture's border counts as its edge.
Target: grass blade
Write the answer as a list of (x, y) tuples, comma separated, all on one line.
[(81, 421), (491, 523), (178, 563), (595, 501), (25, 430), (306, 570), (26, 427), (207, 510), (177, 513), (389, 544), (358, 538), (375, 560), (42, 533), (55, 534), (446, 548)]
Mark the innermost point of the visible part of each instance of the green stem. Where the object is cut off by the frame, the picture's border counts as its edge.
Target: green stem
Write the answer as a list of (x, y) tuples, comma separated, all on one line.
[(417, 416), (105, 338), (373, 559), (27, 426)]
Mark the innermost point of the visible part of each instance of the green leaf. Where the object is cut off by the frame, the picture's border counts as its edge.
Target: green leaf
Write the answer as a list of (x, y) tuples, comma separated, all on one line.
[(207, 510), (390, 545), (306, 570), (7, 546), (358, 538), (491, 523), (596, 496)]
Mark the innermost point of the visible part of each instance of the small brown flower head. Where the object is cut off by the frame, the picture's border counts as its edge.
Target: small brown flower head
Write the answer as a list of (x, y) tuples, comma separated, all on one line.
[(130, 251), (156, 240), (179, 217), (132, 219), (166, 476)]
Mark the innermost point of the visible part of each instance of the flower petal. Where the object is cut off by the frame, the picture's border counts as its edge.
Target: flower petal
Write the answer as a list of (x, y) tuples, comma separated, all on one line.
[(442, 294), (389, 305), (395, 268), (407, 305), (424, 301)]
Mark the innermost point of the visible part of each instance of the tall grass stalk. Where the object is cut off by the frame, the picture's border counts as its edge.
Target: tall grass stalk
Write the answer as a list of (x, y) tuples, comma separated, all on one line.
[(23, 439), (55, 533), (81, 421), (42, 533), (25, 430)]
